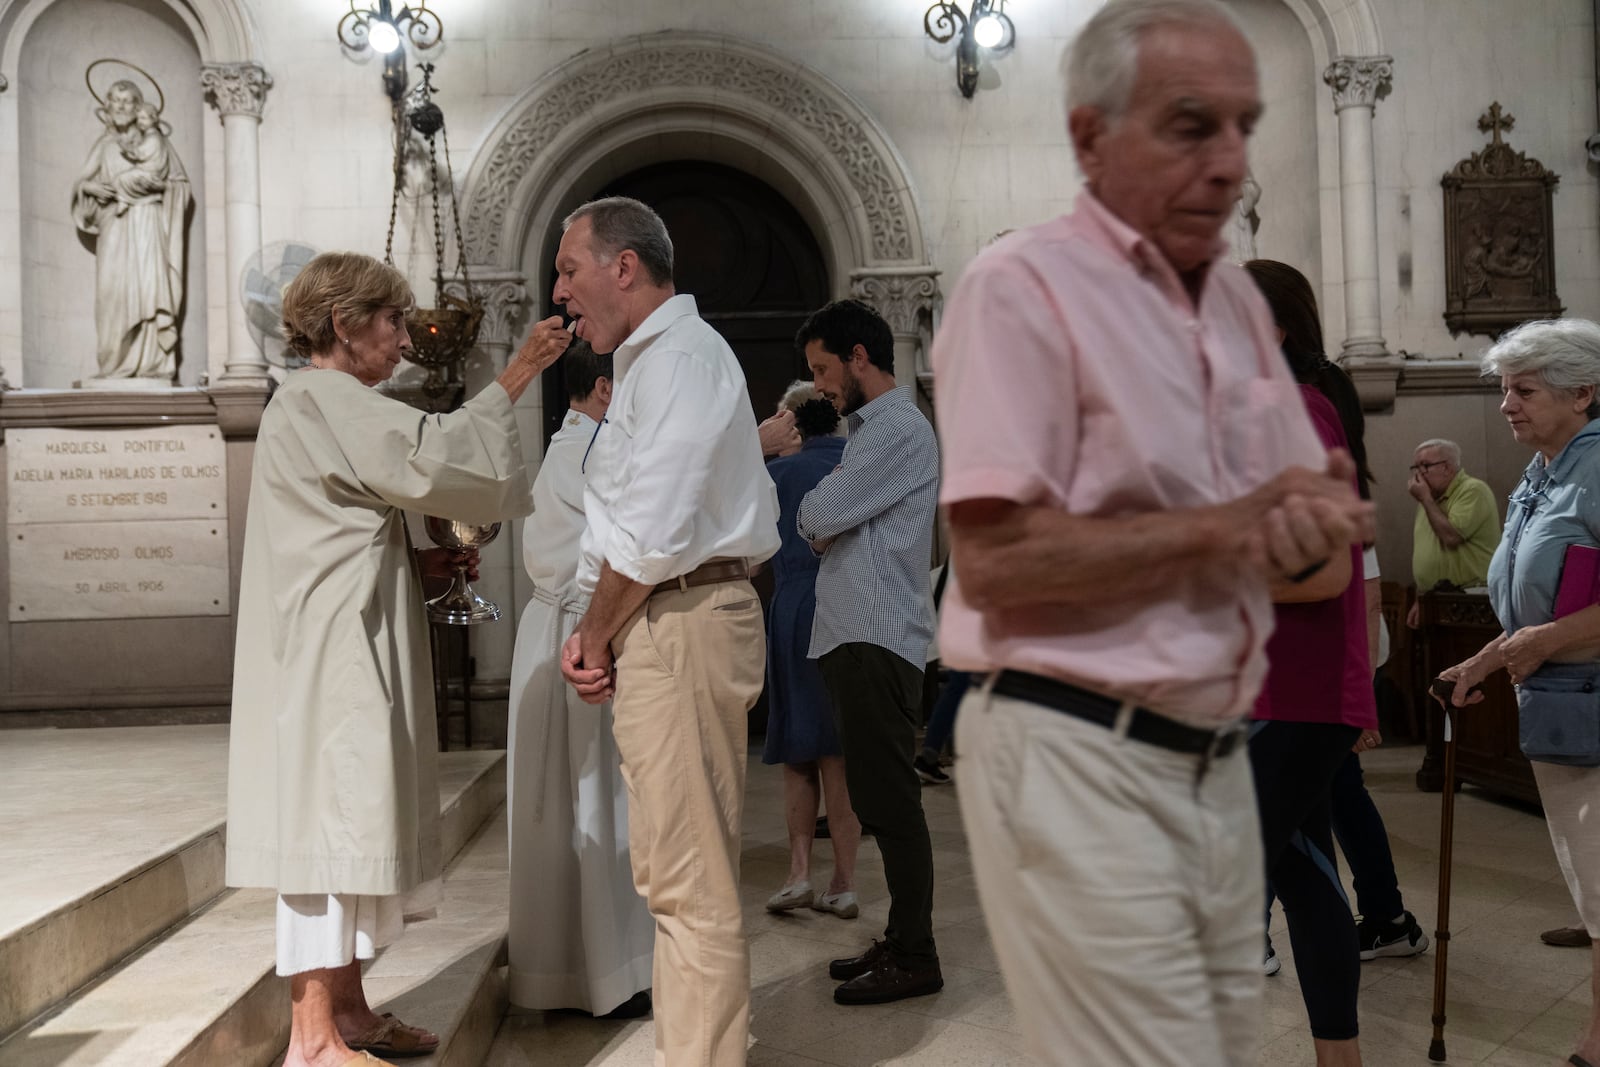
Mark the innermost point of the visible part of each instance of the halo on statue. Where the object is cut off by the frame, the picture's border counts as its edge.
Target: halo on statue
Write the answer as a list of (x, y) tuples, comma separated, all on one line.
[(109, 81)]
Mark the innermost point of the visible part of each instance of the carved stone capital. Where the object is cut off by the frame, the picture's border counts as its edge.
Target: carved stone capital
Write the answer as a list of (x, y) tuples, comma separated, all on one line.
[(503, 296), (239, 406), (1376, 374), (905, 297), (235, 88), (1359, 81)]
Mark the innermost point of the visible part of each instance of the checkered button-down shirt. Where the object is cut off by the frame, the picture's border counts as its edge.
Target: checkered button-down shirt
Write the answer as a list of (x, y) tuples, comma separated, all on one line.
[(879, 506)]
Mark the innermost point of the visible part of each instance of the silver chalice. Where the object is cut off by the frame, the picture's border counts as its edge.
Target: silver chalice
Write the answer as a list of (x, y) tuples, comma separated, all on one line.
[(460, 605)]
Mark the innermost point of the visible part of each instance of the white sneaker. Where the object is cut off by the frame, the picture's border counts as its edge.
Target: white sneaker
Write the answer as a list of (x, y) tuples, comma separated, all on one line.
[(790, 897), (841, 904)]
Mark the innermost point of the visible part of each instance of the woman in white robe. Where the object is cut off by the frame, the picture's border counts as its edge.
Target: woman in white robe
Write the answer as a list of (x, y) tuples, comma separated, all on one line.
[(581, 936), (332, 789)]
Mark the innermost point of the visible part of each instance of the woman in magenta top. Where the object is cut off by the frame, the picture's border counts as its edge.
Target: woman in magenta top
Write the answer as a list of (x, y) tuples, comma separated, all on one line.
[(1316, 701)]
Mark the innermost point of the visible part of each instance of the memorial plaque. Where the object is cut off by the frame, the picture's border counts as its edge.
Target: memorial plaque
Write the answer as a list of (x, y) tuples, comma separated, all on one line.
[(116, 524), (162, 472), (118, 570)]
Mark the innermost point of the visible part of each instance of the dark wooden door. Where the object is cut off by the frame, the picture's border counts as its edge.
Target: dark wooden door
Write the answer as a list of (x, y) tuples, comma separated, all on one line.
[(745, 254)]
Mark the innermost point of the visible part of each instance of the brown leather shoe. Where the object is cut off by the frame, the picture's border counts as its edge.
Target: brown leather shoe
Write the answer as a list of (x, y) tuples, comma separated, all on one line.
[(1566, 937), (856, 966), (887, 981)]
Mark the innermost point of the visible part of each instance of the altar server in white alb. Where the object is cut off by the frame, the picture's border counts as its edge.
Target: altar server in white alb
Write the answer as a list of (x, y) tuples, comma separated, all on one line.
[(580, 933), (333, 795)]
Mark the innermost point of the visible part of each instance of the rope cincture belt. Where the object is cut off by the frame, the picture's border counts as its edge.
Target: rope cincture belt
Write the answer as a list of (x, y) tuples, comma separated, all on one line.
[(1144, 725)]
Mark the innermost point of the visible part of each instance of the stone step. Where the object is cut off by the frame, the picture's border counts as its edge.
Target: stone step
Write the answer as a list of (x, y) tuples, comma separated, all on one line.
[(112, 836), (204, 993), (448, 974)]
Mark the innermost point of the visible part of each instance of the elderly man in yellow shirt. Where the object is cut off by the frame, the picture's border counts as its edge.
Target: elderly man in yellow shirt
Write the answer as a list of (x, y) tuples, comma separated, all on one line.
[(1457, 527)]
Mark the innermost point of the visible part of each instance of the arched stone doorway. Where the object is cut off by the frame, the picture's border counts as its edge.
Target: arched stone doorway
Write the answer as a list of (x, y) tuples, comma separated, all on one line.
[(684, 96)]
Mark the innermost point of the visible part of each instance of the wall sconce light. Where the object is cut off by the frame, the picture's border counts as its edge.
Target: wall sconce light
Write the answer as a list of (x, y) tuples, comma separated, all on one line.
[(384, 30), (984, 25)]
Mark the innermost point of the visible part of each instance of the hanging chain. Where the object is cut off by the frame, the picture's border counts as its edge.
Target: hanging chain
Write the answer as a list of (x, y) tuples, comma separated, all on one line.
[(455, 215), (399, 172), (438, 230), (402, 137)]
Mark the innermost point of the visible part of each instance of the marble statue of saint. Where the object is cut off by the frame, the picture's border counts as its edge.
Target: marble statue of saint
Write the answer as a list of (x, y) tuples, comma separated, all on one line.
[(1240, 232), (133, 197)]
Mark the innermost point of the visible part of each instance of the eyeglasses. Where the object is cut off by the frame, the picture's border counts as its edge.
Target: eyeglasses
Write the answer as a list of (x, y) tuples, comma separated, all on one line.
[(1426, 466)]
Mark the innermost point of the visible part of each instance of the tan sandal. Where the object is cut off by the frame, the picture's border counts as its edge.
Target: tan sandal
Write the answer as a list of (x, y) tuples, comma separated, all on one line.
[(395, 1039), (366, 1059)]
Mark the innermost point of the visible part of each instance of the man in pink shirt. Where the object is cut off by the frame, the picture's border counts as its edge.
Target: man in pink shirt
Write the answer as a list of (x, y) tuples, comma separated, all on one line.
[(1127, 465)]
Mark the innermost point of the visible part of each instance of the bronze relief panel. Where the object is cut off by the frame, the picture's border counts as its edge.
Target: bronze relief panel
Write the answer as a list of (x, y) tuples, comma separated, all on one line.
[(1499, 237)]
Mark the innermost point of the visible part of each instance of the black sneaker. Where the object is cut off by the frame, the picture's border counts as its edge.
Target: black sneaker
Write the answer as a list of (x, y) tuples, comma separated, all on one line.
[(930, 772), (1403, 937)]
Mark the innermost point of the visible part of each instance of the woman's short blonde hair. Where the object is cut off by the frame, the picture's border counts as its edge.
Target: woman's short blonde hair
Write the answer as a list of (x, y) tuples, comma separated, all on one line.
[(357, 286)]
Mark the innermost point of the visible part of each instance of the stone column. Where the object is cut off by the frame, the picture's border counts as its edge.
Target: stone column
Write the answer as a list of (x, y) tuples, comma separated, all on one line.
[(237, 91), (1357, 83), (503, 295), (907, 298)]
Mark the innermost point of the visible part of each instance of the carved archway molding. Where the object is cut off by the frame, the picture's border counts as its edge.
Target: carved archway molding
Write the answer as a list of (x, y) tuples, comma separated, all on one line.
[(678, 95)]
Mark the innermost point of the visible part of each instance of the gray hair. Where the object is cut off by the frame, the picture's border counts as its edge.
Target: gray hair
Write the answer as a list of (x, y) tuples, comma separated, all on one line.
[(1099, 68), (797, 393), (1564, 353), (1451, 450), (621, 222)]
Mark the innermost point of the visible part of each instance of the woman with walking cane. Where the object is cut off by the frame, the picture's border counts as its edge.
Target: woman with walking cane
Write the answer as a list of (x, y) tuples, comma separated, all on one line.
[(1544, 583)]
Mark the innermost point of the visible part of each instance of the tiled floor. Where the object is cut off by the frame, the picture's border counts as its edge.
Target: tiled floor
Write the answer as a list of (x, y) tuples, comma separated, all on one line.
[(1512, 1000)]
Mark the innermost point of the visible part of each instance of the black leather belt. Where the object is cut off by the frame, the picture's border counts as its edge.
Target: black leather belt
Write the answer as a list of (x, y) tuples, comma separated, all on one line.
[(1146, 725)]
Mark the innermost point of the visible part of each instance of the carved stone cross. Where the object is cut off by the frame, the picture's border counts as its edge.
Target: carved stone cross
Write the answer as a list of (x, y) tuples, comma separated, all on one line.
[(1496, 121)]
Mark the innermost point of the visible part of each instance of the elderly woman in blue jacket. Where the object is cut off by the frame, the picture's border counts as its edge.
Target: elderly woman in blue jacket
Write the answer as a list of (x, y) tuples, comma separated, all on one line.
[(1550, 386)]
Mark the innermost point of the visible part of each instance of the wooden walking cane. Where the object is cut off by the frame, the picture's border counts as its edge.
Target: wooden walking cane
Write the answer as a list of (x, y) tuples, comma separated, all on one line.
[(1441, 933)]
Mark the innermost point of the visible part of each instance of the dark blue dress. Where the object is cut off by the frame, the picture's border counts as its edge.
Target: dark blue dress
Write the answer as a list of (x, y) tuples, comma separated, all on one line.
[(799, 712)]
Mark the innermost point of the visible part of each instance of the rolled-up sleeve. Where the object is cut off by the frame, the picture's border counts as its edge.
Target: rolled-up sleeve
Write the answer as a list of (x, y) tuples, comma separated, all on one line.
[(878, 470), (1000, 348)]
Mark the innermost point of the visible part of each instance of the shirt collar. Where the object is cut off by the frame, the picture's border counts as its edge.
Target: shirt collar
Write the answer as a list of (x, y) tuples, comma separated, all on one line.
[(1574, 450), (672, 309), (577, 419), (873, 407), (1455, 483), (1105, 229)]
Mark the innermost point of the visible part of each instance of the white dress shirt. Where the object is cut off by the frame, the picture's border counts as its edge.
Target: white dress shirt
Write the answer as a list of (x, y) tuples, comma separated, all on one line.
[(675, 477)]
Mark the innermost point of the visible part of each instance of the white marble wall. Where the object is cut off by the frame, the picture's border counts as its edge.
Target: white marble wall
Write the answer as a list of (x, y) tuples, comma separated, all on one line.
[(976, 167), (57, 127), (1001, 159), (998, 161), (979, 166), (1451, 61)]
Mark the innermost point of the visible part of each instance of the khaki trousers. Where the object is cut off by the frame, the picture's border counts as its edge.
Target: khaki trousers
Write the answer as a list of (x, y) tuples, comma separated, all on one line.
[(1123, 896), (689, 669)]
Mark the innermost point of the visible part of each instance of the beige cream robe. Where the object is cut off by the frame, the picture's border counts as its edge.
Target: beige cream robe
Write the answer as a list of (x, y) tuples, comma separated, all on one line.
[(332, 784), (580, 934)]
